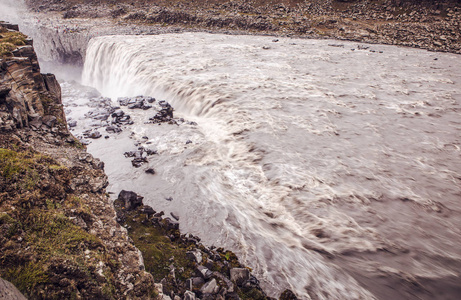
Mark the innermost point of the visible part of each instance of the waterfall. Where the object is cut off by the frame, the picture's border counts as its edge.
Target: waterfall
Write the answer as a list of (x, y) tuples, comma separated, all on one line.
[(329, 171)]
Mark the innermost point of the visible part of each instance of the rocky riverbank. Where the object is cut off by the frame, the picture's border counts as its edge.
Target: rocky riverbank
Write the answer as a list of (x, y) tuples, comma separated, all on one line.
[(60, 234), (59, 237), (434, 26)]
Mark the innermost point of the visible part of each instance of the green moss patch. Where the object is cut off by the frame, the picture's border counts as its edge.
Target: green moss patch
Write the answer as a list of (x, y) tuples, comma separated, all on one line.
[(164, 250), (45, 249), (11, 40)]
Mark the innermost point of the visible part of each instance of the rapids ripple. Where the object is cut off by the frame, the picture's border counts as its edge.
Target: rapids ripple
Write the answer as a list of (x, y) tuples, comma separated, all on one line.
[(333, 171)]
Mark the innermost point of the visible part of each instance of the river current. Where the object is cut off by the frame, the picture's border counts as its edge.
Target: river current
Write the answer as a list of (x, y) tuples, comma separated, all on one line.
[(331, 168)]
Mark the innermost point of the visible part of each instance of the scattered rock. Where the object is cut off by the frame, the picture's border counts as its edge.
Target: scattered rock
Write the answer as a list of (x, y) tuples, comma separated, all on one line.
[(72, 123), (113, 129), (165, 114), (176, 217), (150, 171), (95, 135), (138, 162)]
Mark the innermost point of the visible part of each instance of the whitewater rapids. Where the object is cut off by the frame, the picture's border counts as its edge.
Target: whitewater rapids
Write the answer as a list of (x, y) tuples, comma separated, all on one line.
[(330, 169)]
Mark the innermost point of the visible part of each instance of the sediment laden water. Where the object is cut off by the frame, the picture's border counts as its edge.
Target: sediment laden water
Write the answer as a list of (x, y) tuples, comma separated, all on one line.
[(331, 171)]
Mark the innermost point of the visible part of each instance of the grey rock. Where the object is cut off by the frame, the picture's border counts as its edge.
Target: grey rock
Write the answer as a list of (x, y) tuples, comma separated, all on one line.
[(204, 272), (49, 120), (188, 295), (9, 292), (95, 135), (139, 161), (195, 255), (230, 285), (239, 275), (211, 287), (72, 123), (196, 282)]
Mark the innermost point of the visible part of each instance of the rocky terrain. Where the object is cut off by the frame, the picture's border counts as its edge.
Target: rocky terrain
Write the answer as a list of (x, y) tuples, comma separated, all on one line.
[(429, 25), (61, 236)]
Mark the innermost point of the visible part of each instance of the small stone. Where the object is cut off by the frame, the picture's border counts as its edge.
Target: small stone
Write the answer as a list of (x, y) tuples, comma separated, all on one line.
[(288, 295), (113, 129), (205, 272), (195, 255), (176, 217), (150, 171), (188, 295), (72, 123), (95, 135), (210, 287)]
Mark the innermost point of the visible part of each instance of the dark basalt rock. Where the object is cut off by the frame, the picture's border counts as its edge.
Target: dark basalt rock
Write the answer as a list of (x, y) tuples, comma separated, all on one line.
[(131, 199), (138, 102), (165, 114), (139, 161), (113, 129), (288, 295), (150, 171)]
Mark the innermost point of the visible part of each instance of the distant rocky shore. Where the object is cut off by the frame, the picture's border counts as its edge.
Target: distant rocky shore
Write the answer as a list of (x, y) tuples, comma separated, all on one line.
[(430, 25)]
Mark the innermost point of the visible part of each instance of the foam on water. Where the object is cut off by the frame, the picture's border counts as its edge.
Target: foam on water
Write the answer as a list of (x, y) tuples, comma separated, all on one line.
[(330, 171)]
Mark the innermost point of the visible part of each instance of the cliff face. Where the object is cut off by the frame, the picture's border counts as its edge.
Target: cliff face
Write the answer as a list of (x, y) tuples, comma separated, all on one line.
[(58, 234)]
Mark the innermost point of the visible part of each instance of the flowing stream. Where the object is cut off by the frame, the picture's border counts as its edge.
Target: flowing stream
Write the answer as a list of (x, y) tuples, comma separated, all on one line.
[(330, 168)]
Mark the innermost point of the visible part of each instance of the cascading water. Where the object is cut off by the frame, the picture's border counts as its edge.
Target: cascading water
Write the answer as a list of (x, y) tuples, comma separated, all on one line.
[(329, 171)]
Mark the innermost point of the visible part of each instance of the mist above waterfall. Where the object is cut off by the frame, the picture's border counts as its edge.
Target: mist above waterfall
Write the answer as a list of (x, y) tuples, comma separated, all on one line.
[(10, 11)]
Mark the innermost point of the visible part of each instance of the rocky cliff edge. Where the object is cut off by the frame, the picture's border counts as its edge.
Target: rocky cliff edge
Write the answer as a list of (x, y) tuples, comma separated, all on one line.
[(58, 234)]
